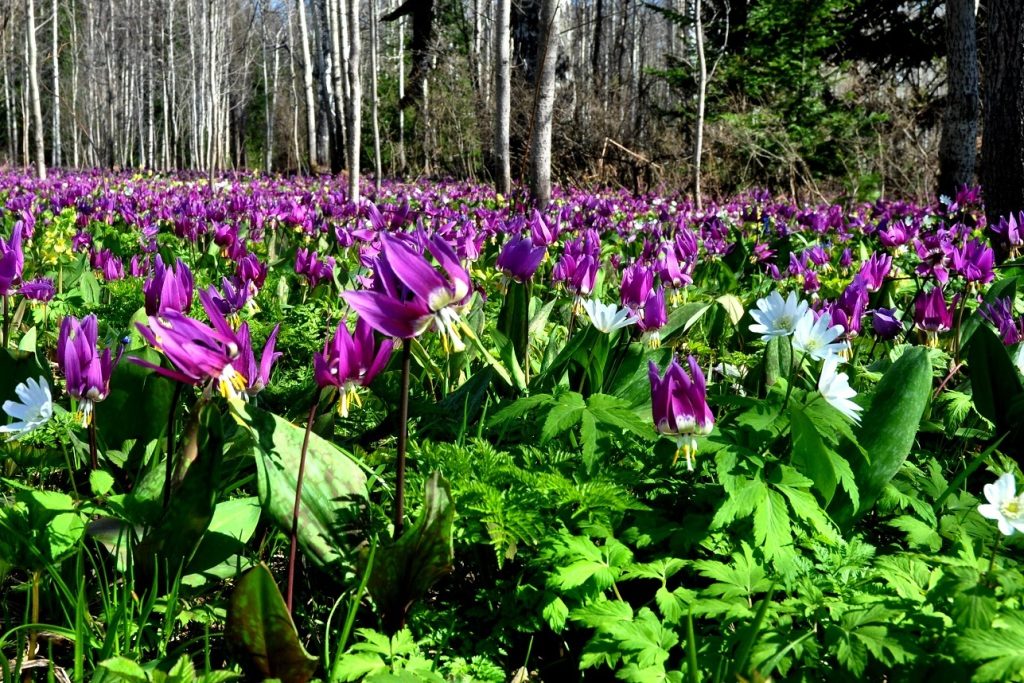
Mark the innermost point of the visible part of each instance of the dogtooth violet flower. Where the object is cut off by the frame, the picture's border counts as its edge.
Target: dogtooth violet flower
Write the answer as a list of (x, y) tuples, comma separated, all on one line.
[(33, 411), (170, 288), (350, 361), (12, 262), (41, 290), (200, 354), (931, 313), (679, 406), (885, 323), (86, 370), (1004, 506), (519, 258), (258, 375), (777, 317), (834, 387), (410, 296)]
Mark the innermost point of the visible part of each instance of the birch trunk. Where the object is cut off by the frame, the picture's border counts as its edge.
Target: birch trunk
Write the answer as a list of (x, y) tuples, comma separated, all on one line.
[(502, 98), (307, 84), (540, 143), (33, 81), (702, 83), (355, 114), (374, 103)]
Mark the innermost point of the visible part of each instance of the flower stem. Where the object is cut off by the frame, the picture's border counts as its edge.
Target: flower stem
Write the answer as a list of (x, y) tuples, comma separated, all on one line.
[(992, 560), (789, 379), (171, 415), (403, 439), (93, 457), (33, 634), (298, 498), (6, 330)]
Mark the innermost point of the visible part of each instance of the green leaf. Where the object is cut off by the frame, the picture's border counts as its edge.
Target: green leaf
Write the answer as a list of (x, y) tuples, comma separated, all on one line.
[(404, 570), (772, 530), (1000, 647), (995, 383), (588, 438), (777, 360), (138, 403), (101, 482), (919, 535), (221, 552), (810, 456), (889, 428), (261, 628), (334, 496), (564, 414)]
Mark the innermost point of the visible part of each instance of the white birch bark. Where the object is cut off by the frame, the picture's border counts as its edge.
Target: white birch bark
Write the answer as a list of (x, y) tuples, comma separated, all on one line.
[(33, 81)]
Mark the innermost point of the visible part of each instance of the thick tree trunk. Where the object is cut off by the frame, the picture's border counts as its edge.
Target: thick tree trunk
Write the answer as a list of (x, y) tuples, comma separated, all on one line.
[(540, 143), (502, 98), (1002, 151), (960, 123), (33, 80)]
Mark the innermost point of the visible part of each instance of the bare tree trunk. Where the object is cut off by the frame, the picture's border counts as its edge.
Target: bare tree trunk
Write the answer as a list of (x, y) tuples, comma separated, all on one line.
[(502, 98), (702, 85), (9, 117), (307, 83), (295, 95), (374, 104), (401, 96), (960, 123), (55, 24), (1002, 151), (337, 84), (33, 81), (355, 113), (540, 143)]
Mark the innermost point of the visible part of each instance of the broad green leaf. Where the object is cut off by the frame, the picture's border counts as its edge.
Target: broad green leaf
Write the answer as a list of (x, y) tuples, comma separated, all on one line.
[(233, 524), (564, 414), (404, 570), (889, 427), (334, 496), (260, 627), (101, 482), (772, 529), (995, 383), (138, 404), (810, 456)]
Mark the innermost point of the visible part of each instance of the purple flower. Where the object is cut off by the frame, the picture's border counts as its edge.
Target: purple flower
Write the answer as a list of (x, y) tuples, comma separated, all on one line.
[(930, 311), (1000, 314), (350, 361), (170, 289), (411, 296), (637, 283), (86, 370), (885, 323), (653, 316), (41, 289), (12, 262), (519, 259), (875, 269), (245, 363), (974, 261), (1009, 230), (679, 405), (200, 354), (308, 264), (578, 273)]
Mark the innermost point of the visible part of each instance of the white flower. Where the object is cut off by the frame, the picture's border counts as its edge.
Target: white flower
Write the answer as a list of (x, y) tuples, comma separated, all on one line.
[(1003, 506), (35, 409), (815, 338), (606, 317), (1019, 359), (776, 317), (835, 389)]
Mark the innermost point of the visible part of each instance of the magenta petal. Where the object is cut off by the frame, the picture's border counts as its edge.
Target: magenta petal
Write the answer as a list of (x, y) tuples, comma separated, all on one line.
[(384, 314), (413, 270)]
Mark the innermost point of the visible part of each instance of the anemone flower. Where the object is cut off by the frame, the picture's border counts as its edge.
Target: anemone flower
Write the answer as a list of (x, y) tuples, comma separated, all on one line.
[(33, 411), (679, 405), (1004, 506), (834, 387), (816, 337), (776, 317), (607, 317)]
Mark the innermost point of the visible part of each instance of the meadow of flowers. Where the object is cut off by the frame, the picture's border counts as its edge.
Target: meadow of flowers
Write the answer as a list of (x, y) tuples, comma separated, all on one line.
[(253, 430)]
